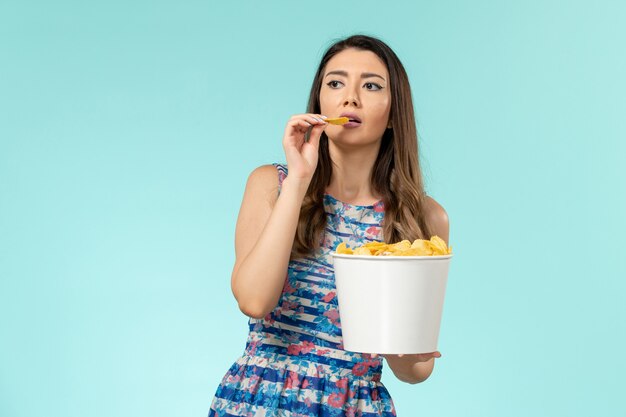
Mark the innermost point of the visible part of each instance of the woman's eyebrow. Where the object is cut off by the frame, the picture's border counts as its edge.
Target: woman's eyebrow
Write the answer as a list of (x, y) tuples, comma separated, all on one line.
[(363, 75)]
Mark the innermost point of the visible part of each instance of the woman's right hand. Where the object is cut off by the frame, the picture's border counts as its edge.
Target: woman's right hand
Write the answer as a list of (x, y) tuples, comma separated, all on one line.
[(302, 156)]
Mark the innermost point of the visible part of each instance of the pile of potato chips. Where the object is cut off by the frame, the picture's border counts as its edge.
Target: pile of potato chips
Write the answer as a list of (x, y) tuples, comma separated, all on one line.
[(436, 246)]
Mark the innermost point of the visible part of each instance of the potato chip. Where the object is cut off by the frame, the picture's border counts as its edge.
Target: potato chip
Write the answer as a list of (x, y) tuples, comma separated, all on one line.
[(401, 246), (344, 249), (422, 248), (337, 120), (375, 244), (362, 251), (415, 252), (436, 246), (439, 244)]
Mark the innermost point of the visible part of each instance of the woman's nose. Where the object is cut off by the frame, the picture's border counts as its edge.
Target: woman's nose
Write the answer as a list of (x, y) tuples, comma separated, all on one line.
[(351, 100)]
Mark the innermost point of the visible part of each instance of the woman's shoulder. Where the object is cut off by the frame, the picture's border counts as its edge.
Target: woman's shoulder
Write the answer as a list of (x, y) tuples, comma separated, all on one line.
[(265, 170), (437, 218), (432, 207), (265, 176), (266, 180)]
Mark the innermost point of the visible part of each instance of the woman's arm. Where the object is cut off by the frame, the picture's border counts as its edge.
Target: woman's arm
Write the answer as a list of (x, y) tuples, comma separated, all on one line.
[(417, 368), (264, 235), (266, 225)]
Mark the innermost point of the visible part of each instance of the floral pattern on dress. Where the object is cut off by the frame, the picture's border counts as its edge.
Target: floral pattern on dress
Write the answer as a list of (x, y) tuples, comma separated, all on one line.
[(294, 363)]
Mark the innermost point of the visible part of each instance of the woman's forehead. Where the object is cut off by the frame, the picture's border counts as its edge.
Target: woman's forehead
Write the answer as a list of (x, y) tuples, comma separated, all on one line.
[(357, 61)]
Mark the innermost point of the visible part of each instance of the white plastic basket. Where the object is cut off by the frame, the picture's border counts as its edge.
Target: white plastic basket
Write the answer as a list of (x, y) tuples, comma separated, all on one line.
[(391, 304)]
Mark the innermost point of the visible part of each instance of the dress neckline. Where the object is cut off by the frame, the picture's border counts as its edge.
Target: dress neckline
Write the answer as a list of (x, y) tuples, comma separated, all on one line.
[(334, 200)]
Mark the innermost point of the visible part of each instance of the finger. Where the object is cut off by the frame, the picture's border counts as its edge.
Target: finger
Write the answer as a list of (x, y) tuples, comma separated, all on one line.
[(302, 123), (319, 128), (302, 118), (424, 357), (317, 116), (311, 148), (314, 119), (316, 130), (316, 125), (315, 135), (300, 126)]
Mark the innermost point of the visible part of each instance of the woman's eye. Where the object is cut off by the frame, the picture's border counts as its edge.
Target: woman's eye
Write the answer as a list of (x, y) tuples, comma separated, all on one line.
[(334, 84), (372, 86)]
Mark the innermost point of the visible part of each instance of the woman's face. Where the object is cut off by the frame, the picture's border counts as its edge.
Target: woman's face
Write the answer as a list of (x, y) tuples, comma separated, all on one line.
[(355, 83)]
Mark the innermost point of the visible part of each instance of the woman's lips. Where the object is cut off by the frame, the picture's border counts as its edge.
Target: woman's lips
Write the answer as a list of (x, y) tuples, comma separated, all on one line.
[(352, 116), (352, 124)]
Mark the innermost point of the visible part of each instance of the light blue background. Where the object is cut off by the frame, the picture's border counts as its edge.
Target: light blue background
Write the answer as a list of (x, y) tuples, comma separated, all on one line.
[(128, 129)]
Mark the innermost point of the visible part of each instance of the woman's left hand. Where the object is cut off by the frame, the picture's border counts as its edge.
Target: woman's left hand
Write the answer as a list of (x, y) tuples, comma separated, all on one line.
[(412, 368)]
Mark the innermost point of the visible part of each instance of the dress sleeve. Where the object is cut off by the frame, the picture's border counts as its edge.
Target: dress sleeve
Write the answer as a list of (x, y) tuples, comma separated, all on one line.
[(282, 174)]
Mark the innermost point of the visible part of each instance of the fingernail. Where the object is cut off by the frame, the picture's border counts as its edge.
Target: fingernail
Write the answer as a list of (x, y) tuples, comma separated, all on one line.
[(324, 117)]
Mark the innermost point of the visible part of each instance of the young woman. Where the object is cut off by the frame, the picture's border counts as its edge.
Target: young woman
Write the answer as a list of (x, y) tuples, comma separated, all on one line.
[(353, 183)]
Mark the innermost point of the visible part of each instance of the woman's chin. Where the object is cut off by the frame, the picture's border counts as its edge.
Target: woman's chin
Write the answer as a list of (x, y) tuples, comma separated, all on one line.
[(350, 140)]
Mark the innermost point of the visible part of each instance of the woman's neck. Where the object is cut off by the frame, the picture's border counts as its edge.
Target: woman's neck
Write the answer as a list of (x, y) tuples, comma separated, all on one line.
[(352, 170)]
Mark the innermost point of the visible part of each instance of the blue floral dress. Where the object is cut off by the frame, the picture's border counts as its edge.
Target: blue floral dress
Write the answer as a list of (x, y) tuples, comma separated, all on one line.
[(294, 364)]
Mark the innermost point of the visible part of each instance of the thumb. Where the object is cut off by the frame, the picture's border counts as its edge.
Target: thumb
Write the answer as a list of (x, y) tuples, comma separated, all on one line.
[(316, 133), (311, 147)]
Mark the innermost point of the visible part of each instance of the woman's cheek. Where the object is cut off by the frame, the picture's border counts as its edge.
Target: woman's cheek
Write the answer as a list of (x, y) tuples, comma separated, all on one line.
[(383, 115), (382, 108)]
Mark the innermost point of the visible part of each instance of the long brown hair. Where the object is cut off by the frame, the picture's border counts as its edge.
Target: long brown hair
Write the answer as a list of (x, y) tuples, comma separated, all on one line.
[(396, 176)]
